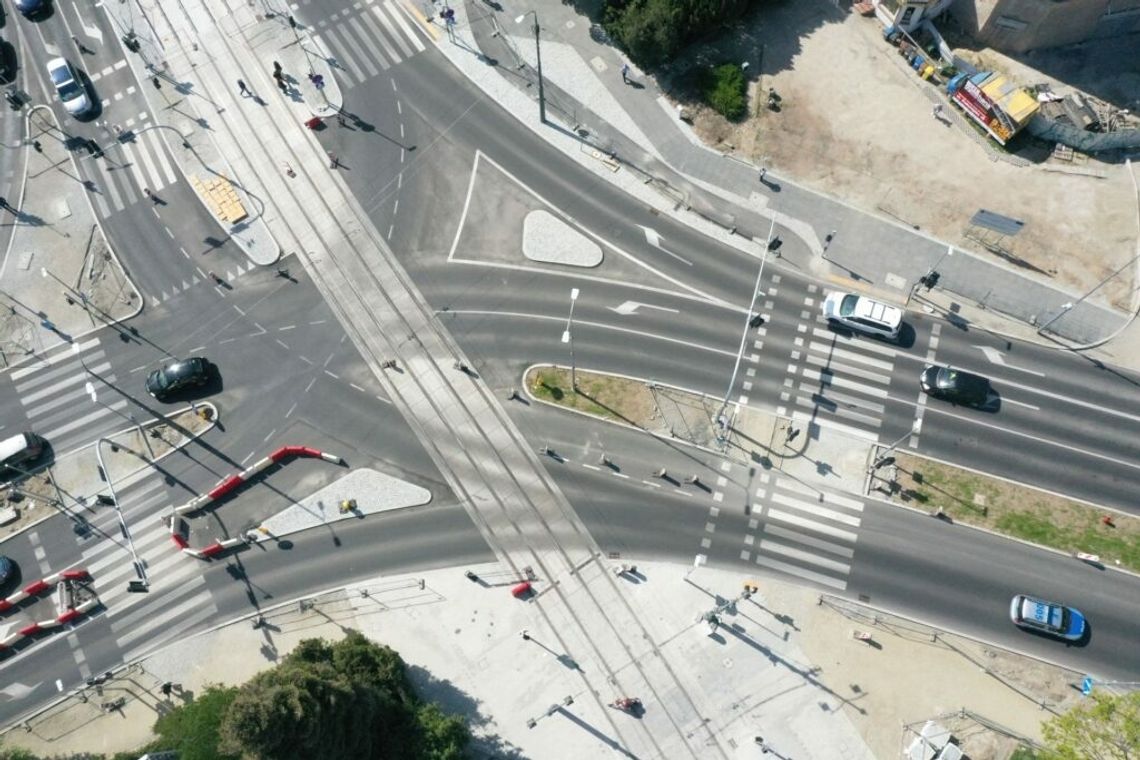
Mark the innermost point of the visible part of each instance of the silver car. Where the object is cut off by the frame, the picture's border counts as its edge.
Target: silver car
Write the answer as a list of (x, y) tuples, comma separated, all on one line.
[(865, 315), (67, 85)]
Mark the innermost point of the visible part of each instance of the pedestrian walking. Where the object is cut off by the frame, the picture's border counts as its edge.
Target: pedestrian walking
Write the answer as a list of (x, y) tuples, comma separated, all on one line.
[(334, 162), (283, 85), (625, 73), (936, 112), (3, 202), (763, 173), (277, 66), (243, 89)]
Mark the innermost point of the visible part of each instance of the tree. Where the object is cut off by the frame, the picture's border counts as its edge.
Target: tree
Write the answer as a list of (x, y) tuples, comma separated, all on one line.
[(192, 729), (1102, 727), (348, 699), (654, 31)]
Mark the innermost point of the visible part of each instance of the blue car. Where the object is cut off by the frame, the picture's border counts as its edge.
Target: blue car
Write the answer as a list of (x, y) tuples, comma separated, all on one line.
[(30, 7), (1047, 617)]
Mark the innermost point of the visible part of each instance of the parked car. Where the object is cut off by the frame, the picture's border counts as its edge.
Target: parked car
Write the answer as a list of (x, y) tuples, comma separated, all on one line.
[(31, 8), (1047, 617), (863, 314), (8, 572), (7, 62), (178, 376), (71, 91), (954, 385), (18, 451)]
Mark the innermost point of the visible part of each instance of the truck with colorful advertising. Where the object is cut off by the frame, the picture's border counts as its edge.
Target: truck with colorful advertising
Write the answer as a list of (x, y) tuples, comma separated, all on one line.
[(999, 106)]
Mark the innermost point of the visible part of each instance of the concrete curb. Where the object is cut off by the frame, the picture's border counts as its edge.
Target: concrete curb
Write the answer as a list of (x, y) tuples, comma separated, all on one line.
[(869, 494)]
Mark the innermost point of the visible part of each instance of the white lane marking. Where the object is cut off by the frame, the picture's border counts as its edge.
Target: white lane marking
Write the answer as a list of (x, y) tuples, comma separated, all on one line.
[(843, 353), (820, 402), (1021, 403), (816, 509), (1039, 439), (599, 325), (54, 359), (630, 307), (864, 344), (805, 556), (838, 367), (812, 525), (808, 419), (784, 567), (841, 382), (480, 156), (806, 540), (997, 358)]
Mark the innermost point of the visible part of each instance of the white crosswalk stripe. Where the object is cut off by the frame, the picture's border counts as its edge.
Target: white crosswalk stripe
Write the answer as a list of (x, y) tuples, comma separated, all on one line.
[(55, 399), (177, 599), (843, 382), (370, 39), (809, 533), (128, 166)]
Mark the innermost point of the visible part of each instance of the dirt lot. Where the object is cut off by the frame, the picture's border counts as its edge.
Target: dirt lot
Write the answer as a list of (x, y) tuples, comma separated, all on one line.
[(857, 124)]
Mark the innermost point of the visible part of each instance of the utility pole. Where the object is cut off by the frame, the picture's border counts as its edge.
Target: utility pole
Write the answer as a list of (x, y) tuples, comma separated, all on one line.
[(538, 56), (568, 337)]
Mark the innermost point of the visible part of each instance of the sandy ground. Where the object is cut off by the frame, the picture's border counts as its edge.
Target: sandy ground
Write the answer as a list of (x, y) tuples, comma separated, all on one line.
[(857, 124)]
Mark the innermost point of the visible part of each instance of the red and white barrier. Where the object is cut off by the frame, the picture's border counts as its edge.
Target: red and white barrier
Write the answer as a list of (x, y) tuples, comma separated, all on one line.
[(206, 552), (64, 613), (38, 587), (231, 482)]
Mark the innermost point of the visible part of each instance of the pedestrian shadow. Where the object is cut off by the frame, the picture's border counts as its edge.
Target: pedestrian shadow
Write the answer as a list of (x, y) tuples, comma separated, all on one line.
[(771, 185), (635, 85)]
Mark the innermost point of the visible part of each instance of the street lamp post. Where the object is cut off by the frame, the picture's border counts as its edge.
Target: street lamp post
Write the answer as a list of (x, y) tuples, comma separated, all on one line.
[(538, 57), (721, 421), (140, 569), (568, 337), (129, 417), (915, 428)]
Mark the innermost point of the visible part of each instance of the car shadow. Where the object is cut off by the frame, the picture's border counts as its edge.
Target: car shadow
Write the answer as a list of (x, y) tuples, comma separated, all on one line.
[(1082, 642)]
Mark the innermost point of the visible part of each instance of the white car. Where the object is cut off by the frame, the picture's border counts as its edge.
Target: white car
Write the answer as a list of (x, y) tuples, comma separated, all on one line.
[(68, 86), (863, 314)]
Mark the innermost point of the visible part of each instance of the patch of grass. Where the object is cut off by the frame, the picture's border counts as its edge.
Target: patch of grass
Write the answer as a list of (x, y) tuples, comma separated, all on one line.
[(1018, 511), (604, 396), (726, 91)]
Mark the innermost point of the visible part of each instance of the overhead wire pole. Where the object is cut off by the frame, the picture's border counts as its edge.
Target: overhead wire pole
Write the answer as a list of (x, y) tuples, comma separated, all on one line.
[(143, 583), (568, 337), (538, 64), (721, 421)]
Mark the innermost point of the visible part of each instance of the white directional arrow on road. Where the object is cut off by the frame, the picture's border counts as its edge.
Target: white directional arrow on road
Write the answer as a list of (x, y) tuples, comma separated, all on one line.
[(17, 691), (654, 240), (631, 307), (996, 357), (992, 354)]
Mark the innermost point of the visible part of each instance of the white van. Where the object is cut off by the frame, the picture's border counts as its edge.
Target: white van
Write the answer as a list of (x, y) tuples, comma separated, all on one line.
[(17, 451)]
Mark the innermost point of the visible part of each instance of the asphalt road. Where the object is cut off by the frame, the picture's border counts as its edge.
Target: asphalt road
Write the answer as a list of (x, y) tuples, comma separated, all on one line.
[(286, 371)]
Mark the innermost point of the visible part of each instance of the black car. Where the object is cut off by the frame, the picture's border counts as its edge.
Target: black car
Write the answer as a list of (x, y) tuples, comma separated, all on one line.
[(178, 376), (955, 386), (7, 572)]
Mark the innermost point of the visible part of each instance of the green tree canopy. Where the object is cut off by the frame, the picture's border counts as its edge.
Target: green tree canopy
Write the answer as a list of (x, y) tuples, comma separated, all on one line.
[(1102, 727), (348, 699), (653, 31)]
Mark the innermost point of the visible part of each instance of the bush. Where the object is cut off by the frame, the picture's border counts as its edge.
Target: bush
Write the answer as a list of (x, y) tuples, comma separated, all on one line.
[(726, 91), (652, 32)]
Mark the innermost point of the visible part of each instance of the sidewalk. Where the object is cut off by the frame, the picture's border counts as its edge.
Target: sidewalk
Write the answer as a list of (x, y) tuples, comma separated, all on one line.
[(60, 279), (577, 70), (784, 658)]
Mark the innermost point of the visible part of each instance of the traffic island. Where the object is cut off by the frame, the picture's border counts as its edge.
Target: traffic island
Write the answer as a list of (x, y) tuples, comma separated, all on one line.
[(956, 494), (736, 431)]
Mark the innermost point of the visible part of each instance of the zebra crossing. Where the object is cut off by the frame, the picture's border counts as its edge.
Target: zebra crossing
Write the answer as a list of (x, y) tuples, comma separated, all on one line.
[(836, 381), (802, 530), (369, 38), (54, 396), (177, 600), (135, 159)]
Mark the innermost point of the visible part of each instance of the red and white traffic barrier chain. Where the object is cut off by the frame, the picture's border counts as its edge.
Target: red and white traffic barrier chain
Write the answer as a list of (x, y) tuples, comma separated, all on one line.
[(206, 552), (33, 589), (231, 482), (64, 613)]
